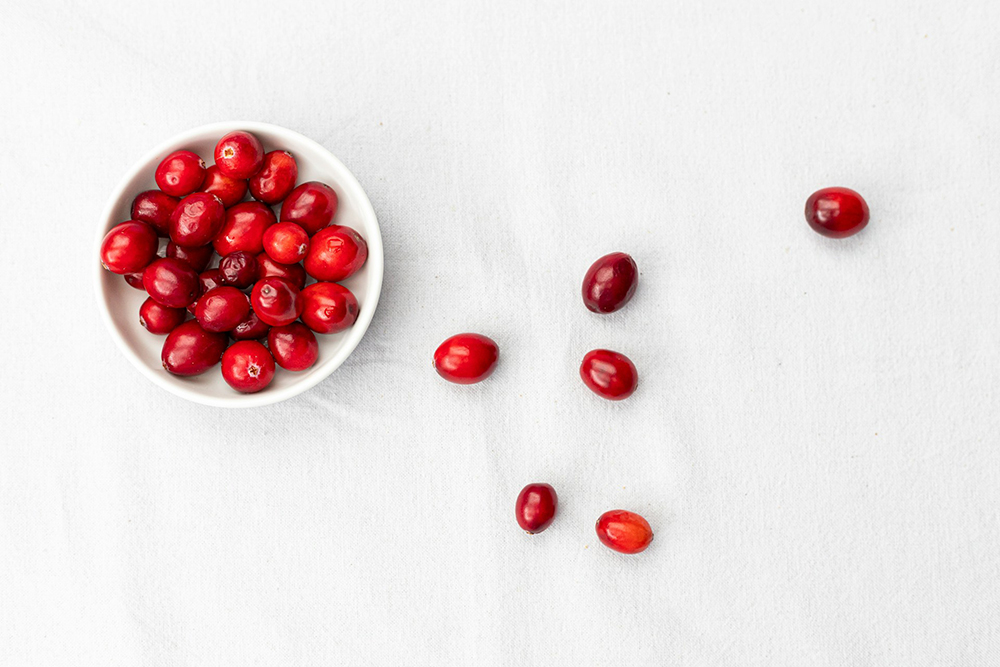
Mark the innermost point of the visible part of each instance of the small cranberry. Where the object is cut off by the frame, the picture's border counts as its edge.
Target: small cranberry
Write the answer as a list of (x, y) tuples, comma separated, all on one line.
[(610, 283), (276, 177), (159, 319), (286, 243), (230, 190), (276, 301), (294, 346), (466, 358), (244, 228), (247, 366), (624, 532), (239, 269), (129, 247), (836, 212), (335, 253), (190, 350), (171, 282), (180, 173), (239, 155), (197, 220), (154, 208), (536, 507), (222, 308), (328, 307), (312, 205), (609, 374)]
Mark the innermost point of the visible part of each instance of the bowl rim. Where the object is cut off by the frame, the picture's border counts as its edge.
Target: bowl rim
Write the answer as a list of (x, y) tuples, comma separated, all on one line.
[(374, 264)]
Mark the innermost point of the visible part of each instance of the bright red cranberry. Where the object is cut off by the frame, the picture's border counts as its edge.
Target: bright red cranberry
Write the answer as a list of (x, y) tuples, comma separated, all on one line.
[(239, 269), (134, 280), (536, 507), (335, 253), (239, 155), (466, 358), (159, 319), (276, 301), (294, 346), (171, 282), (197, 220), (328, 307), (247, 366), (312, 205), (180, 173), (222, 308), (609, 374), (244, 228), (154, 208), (190, 350), (230, 190), (286, 243), (836, 212), (207, 281), (129, 247), (276, 177), (197, 258), (251, 328), (624, 532), (610, 283), (293, 273)]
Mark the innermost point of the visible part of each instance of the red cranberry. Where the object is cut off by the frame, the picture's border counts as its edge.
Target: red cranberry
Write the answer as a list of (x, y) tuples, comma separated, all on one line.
[(190, 350), (154, 208), (293, 273), (207, 281), (221, 309), (159, 319), (328, 307), (134, 280), (239, 269), (536, 507), (294, 346), (276, 301), (129, 247), (197, 220), (312, 205), (244, 228), (836, 212), (247, 366), (335, 253), (609, 374), (230, 190), (276, 177), (171, 282), (610, 283), (197, 258), (466, 358), (251, 328), (286, 243), (239, 155), (624, 532), (180, 173)]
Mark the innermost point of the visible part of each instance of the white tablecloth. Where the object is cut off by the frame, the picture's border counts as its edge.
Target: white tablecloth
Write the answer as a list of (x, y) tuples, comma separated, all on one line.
[(815, 436)]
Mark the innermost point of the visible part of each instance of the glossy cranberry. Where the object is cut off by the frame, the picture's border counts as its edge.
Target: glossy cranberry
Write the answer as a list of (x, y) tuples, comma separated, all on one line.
[(609, 374), (244, 228), (171, 282), (610, 283), (276, 301), (294, 346), (251, 328), (222, 308), (286, 243), (197, 220), (129, 247), (624, 532), (328, 307), (154, 208), (276, 177), (239, 269), (312, 205), (239, 155), (180, 173), (536, 507), (836, 212), (190, 350), (134, 280), (159, 319), (335, 253), (466, 358), (207, 281), (197, 258), (230, 190), (293, 273), (247, 366)]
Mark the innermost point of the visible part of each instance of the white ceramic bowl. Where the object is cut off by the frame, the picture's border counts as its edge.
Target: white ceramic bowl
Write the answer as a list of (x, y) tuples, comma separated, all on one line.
[(119, 303)]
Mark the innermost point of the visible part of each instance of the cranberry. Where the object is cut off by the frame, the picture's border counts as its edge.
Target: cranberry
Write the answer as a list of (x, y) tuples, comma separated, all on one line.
[(276, 301), (328, 307), (286, 243), (247, 366), (221, 309), (335, 253), (610, 283), (159, 319), (129, 247), (180, 173), (536, 507), (239, 154), (154, 208), (230, 190), (134, 280), (276, 177), (197, 220), (251, 328), (244, 228), (197, 258), (171, 282), (609, 374), (239, 269), (293, 273), (190, 350), (207, 281), (294, 346), (312, 205), (624, 532), (836, 212), (466, 358)]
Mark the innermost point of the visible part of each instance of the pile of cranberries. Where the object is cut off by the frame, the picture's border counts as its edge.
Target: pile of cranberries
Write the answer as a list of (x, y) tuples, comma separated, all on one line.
[(252, 310)]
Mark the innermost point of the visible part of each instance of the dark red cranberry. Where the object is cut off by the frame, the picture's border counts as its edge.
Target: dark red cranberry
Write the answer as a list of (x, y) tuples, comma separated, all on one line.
[(294, 346), (312, 205), (328, 307), (190, 350), (624, 532), (134, 280), (293, 273), (154, 208), (197, 220), (244, 228), (276, 177), (335, 253), (129, 247), (180, 173), (610, 283), (536, 507), (239, 269), (197, 258), (230, 190), (159, 319), (609, 374), (466, 358), (836, 212), (207, 281), (247, 366), (222, 308), (251, 328), (286, 243), (276, 301), (239, 155), (171, 282)]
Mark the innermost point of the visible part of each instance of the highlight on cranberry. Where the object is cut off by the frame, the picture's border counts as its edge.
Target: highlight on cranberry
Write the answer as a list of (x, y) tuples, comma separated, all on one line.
[(535, 508), (466, 358), (836, 212), (623, 531)]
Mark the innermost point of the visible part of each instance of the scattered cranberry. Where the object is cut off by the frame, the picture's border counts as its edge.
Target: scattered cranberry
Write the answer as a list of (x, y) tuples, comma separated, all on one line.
[(129, 247), (154, 208), (222, 308), (134, 280), (239, 269), (276, 177), (239, 155), (180, 173), (610, 283), (294, 346), (536, 507), (171, 282), (328, 307), (836, 212), (207, 281), (247, 366), (230, 190), (251, 328), (286, 243), (335, 253), (312, 205), (466, 358), (197, 258), (624, 532), (197, 220), (276, 301), (244, 228), (190, 350), (293, 273), (159, 319), (609, 374)]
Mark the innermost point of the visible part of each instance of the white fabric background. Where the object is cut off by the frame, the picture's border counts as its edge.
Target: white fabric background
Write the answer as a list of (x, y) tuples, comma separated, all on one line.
[(815, 437)]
